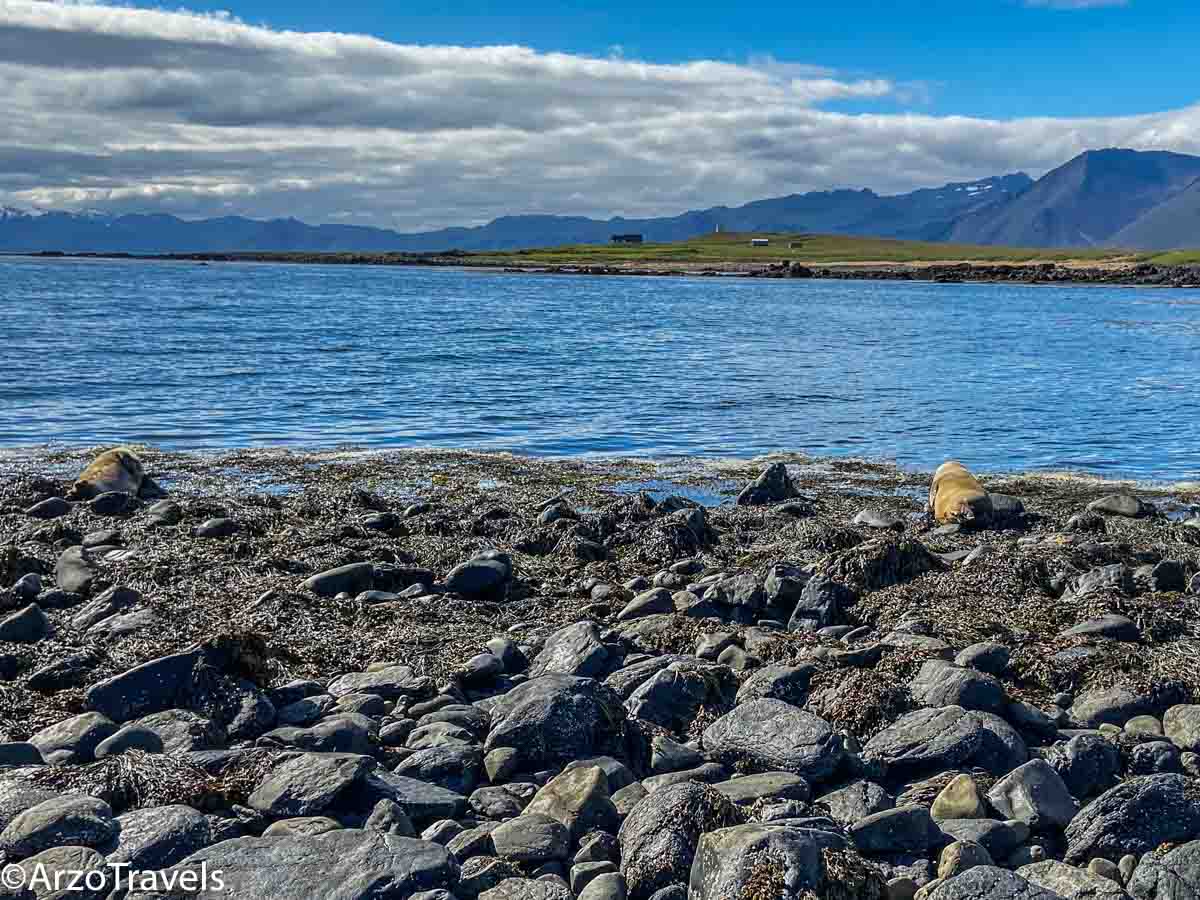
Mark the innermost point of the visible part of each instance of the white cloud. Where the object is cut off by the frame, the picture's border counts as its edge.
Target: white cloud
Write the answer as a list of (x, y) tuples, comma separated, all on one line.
[(132, 109)]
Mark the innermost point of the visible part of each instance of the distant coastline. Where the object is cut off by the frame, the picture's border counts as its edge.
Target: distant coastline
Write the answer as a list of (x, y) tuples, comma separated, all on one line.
[(1097, 271)]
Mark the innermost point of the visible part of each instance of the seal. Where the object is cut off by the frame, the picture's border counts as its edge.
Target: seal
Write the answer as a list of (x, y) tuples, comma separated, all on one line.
[(957, 496), (118, 469)]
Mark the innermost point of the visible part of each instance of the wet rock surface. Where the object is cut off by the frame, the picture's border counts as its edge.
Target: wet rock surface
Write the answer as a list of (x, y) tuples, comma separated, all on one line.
[(455, 676)]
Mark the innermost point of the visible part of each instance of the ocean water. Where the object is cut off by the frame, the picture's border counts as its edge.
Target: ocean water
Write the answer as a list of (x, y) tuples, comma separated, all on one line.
[(1003, 377)]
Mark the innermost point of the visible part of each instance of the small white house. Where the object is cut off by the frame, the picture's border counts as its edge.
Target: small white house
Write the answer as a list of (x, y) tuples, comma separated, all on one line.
[(760, 242)]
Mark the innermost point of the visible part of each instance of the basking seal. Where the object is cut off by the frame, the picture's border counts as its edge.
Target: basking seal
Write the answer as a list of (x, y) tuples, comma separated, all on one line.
[(957, 496), (118, 469)]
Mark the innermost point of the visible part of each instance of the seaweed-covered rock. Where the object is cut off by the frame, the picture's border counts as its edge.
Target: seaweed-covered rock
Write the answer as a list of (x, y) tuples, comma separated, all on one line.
[(770, 735), (555, 719), (1135, 817), (761, 860), (659, 836)]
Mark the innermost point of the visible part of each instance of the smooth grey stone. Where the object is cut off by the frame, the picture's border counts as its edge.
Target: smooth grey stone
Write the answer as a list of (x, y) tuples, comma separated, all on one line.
[(1034, 793), (353, 579), (1113, 627), (747, 790), (856, 801), (72, 868), (1000, 839), (532, 838), (991, 882), (939, 684), (308, 784), (50, 508), (575, 649), (388, 817), (485, 577), (74, 571), (361, 863), (159, 836), (131, 737), (926, 740), (390, 683), (984, 657), (26, 626), (770, 735), (79, 734), (905, 829), (1121, 504), (456, 768), (69, 820)]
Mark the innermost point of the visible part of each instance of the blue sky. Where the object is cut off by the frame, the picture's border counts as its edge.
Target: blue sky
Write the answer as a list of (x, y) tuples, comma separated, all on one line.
[(417, 116), (996, 58)]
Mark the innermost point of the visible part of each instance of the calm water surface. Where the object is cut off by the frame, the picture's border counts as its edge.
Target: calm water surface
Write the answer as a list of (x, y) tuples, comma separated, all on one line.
[(1004, 377)]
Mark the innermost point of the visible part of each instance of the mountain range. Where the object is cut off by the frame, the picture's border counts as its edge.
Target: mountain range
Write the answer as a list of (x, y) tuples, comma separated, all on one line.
[(1101, 198)]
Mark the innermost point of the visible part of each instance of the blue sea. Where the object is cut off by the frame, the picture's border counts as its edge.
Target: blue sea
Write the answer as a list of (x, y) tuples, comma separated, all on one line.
[(1004, 377)]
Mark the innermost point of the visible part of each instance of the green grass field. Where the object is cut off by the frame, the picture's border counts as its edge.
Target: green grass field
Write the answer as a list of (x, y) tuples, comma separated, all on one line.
[(818, 249)]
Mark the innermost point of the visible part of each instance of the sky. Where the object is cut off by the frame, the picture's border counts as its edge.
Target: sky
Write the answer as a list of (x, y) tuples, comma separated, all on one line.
[(417, 116)]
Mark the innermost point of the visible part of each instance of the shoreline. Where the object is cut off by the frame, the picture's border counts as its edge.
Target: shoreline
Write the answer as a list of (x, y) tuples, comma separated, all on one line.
[(1105, 273), (466, 635)]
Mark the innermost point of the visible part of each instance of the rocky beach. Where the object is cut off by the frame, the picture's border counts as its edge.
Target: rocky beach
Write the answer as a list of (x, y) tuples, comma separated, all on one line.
[(454, 676)]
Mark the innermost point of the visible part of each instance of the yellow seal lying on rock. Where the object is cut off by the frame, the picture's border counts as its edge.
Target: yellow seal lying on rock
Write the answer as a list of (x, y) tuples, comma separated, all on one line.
[(957, 496), (118, 469)]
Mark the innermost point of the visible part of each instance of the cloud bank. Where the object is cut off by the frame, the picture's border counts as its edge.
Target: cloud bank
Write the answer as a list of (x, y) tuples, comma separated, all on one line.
[(132, 110)]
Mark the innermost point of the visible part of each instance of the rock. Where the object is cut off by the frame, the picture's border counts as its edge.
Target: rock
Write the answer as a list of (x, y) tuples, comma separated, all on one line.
[(1071, 883), (1035, 794), (528, 889), (926, 740), (742, 593), (1153, 757), (579, 800), (308, 784), (667, 755), (1115, 578), (1125, 505), (351, 579), (961, 856), (770, 735), (498, 802), (164, 513), (855, 801), (1114, 705), (159, 836), (990, 882), (532, 838), (20, 753), (606, 886), (616, 773), (50, 508), (455, 768), (783, 586), (483, 873), (1174, 875), (27, 626), (1135, 817), (747, 790), (27, 587), (656, 600), (112, 601), (773, 485), (69, 820), (780, 861), (131, 737), (960, 799), (984, 657), (820, 605), (73, 572), (389, 682), (939, 684), (1181, 725), (659, 836), (1087, 763), (905, 829), (555, 719), (486, 577), (112, 503), (362, 864), (572, 650), (674, 696), (80, 735), (1000, 839), (777, 682), (1113, 627), (422, 802), (1169, 575), (389, 817)]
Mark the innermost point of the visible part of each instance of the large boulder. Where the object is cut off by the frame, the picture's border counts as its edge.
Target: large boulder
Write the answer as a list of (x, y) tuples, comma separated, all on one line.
[(555, 719), (363, 865), (773, 736), (659, 836), (1035, 794), (772, 486), (763, 860), (575, 649), (308, 784), (1174, 875), (69, 820), (926, 740), (672, 697), (159, 836), (579, 800), (1135, 817), (991, 883), (486, 577), (1071, 882), (939, 683)]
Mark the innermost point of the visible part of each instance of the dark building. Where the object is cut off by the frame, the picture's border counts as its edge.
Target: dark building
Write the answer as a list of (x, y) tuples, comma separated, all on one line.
[(626, 238)]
